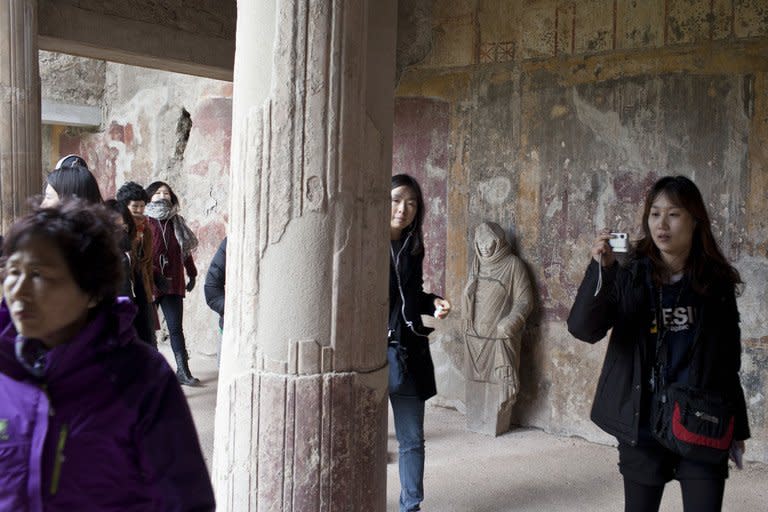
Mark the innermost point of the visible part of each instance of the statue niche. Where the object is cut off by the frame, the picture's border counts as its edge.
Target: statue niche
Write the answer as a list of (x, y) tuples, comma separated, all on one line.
[(497, 300)]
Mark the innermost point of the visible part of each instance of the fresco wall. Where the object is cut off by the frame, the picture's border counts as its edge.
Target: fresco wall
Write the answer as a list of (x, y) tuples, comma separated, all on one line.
[(561, 114), (156, 126)]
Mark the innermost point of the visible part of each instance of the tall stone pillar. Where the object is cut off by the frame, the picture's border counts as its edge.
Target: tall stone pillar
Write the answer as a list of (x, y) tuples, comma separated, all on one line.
[(20, 127), (302, 404)]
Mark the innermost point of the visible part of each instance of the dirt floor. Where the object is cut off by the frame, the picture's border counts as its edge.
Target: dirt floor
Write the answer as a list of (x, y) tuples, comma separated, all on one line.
[(524, 470)]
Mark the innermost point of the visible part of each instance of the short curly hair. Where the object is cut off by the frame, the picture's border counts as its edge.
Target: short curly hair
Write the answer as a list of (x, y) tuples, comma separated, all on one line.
[(86, 235), (131, 191)]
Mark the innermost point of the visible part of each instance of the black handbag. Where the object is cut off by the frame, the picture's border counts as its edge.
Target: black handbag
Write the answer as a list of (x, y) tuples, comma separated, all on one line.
[(396, 357), (693, 423)]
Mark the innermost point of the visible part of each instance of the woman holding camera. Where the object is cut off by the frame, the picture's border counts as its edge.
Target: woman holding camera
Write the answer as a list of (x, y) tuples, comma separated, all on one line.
[(172, 246), (674, 320), (407, 302)]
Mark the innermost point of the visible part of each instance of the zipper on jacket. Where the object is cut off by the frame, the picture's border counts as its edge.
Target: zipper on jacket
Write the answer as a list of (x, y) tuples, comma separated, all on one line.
[(51, 412), (59, 459)]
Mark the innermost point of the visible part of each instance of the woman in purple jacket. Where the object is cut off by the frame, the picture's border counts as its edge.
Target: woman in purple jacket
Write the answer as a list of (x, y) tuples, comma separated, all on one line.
[(91, 419), (172, 246)]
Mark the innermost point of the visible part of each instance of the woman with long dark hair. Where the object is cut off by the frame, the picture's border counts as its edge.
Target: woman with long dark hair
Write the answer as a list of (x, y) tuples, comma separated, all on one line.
[(407, 302), (172, 246), (675, 323), (70, 178)]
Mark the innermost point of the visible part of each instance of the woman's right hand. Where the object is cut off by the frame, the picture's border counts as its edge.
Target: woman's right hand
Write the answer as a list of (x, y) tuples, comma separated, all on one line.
[(601, 247)]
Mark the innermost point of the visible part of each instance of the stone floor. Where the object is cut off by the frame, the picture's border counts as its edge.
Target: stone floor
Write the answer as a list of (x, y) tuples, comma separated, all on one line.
[(525, 470)]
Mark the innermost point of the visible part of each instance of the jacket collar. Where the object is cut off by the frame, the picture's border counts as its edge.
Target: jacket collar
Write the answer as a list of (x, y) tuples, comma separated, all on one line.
[(110, 328)]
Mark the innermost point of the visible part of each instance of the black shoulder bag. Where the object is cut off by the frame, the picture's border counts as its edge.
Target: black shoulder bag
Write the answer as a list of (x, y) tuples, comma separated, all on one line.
[(694, 423)]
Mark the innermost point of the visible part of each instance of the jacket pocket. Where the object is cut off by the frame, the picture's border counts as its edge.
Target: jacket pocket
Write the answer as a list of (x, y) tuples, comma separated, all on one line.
[(14, 470)]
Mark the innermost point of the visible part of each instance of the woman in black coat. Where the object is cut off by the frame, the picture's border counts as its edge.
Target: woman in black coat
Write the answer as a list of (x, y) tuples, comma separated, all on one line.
[(407, 302), (673, 314), (215, 281)]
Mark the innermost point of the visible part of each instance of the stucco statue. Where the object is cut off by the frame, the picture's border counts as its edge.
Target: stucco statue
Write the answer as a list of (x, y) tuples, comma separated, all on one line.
[(497, 300)]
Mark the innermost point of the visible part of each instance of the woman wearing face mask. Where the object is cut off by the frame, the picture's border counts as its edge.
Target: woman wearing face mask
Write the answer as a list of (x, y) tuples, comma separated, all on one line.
[(91, 419), (70, 178), (674, 320), (172, 246), (407, 302)]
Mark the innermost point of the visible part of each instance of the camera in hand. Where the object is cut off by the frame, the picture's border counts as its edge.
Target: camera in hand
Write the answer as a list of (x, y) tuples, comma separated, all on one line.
[(619, 242)]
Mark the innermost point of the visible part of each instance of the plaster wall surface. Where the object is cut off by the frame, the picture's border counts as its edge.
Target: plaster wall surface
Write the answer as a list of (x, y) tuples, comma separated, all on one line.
[(71, 79), (141, 140), (561, 114)]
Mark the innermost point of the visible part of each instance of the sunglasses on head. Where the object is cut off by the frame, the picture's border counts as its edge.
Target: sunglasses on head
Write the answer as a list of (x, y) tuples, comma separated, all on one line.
[(70, 161)]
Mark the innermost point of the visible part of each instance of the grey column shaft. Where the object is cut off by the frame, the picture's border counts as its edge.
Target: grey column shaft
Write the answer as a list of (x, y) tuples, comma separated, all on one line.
[(301, 411), (20, 127)]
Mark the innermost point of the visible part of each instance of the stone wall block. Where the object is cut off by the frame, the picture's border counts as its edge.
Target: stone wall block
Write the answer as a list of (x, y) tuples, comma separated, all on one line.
[(565, 28), (538, 38), (756, 215), (640, 24), (750, 18), (594, 26), (689, 21), (721, 26), (456, 40)]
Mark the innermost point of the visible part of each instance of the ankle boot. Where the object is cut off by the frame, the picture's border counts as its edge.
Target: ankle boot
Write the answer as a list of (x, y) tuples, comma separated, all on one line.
[(182, 371)]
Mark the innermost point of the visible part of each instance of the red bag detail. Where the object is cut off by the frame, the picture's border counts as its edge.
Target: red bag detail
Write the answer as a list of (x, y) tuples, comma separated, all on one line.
[(683, 434)]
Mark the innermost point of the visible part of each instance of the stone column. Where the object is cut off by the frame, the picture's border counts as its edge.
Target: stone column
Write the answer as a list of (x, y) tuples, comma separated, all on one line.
[(302, 404), (20, 127)]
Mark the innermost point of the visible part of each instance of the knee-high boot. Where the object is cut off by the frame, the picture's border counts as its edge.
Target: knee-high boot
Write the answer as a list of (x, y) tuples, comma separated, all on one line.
[(182, 370)]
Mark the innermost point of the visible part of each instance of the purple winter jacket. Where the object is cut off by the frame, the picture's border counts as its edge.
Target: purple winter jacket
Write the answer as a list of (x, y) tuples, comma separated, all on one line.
[(106, 429)]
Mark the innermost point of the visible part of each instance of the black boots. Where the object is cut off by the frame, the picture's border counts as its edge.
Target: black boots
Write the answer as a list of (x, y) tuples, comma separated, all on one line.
[(182, 371)]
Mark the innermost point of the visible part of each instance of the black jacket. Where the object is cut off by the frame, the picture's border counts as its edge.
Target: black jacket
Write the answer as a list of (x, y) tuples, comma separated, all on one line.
[(417, 303), (215, 281), (624, 304)]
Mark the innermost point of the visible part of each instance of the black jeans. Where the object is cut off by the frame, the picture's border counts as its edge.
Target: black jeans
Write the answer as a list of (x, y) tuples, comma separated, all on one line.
[(173, 311), (144, 322)]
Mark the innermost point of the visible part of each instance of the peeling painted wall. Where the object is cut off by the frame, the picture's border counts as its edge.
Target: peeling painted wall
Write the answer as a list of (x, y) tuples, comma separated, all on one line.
[(561, 115), (139, 141), (420, 150)]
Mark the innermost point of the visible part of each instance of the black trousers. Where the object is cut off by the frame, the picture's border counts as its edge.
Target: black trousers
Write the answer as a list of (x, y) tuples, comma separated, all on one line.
[(648, 467), (173, 311), (144, 322), (698, 496)]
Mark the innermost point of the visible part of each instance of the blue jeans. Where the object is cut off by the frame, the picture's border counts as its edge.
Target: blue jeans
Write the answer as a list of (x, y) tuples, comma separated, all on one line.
[(408, 411)]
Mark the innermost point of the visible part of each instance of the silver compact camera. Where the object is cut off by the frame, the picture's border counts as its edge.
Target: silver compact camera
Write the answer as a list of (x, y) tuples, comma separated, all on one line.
[(619, 242)]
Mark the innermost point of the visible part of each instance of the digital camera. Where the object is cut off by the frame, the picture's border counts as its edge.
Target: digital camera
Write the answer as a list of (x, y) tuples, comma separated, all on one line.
[(619, 242)]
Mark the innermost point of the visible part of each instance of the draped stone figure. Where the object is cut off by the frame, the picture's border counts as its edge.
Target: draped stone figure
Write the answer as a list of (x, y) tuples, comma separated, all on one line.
[(497, 300)]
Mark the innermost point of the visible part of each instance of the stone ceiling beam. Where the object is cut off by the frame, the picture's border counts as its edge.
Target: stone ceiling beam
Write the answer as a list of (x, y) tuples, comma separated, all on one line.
[(167, 43)]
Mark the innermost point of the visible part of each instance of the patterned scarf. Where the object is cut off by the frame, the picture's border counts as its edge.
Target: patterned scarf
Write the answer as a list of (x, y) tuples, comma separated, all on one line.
[(163, 210)]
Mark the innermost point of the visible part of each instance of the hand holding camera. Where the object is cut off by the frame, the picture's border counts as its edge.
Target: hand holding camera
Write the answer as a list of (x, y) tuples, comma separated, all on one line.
[(442, 308), (606, 244)]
